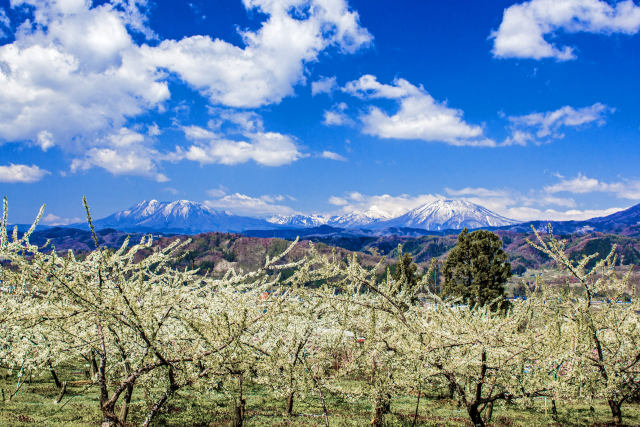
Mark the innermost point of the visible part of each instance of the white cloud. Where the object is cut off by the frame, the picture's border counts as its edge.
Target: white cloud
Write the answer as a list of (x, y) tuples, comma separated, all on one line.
[(581, 184), (5, 22), (242, 204), (123, 153), (217, 192), (358, 197), (383, 206), (323, 85), (45, 140), (368, 87), (478, 191), (525, 25), (535, 205), (419, 116), (238, 121), (196, 133), (55, 220), (332, 156), (336, 116), (21, 173), (338, 201), (80, 62), (273, 59), (153, 130), (530, 214), (76, 62), (535, 127), (265, 148)]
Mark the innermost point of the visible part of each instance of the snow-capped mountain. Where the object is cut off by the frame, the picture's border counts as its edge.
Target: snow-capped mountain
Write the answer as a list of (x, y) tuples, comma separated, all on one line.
[(297, 221), (187, 217), (181, 216), (448, 215), (350, 220)]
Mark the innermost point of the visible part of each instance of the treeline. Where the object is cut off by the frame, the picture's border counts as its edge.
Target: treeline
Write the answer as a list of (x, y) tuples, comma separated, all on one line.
[(140, 323)]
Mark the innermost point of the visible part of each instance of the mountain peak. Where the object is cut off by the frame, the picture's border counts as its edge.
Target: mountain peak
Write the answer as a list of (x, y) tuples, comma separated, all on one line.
[(446, 214), (179, 216)]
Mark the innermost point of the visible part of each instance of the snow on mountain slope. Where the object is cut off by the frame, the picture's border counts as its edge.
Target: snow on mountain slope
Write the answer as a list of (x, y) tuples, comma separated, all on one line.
[(181, 216), (448, 215), (298, 221), (350, 220), (184, 216)]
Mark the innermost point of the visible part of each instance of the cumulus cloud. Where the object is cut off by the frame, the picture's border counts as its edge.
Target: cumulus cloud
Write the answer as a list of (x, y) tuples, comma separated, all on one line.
[(538, 127), (235, 121), (531, 213), (242, 204), (265, 148), (332, 156), (153, 130), (382, 206), (78, 61), (55, 220), (534, 205), (323, 85), (338, 201), (582, 184), (272, 61), (337, 116), (217, 192), (419, 115), (124, 153), (13, 173), (5, 22), (526, 27)]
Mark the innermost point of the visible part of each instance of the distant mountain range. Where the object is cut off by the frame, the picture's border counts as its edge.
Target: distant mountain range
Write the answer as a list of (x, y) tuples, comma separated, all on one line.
[(435, 216), (438, 217), (625, 222), (187, 217), (382, 237), (350, 220), (179, 217)]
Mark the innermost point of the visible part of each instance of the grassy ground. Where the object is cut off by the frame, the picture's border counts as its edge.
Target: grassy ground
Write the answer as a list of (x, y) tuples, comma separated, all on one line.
[(35, 405)]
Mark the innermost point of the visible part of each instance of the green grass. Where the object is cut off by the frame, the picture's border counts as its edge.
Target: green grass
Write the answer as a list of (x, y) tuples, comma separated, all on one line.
[(34, 405)]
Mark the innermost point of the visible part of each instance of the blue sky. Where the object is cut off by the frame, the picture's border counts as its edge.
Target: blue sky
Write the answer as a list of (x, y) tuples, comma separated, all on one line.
[(264, 107)]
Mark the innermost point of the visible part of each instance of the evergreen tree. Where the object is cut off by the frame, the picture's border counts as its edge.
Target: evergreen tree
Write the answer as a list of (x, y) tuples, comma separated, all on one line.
[(477, 269), (405, 278)]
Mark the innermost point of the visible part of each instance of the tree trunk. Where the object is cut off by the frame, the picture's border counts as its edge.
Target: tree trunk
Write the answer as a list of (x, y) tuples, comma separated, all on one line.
[(63, 390), (415, 415), (290, 404), (378, 415), (452, 390), (476, 417), (55, 377), (489, 412), (554, 410), (124, 410), (382, 407), (616, 412), (93, 364), (238, 415)]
